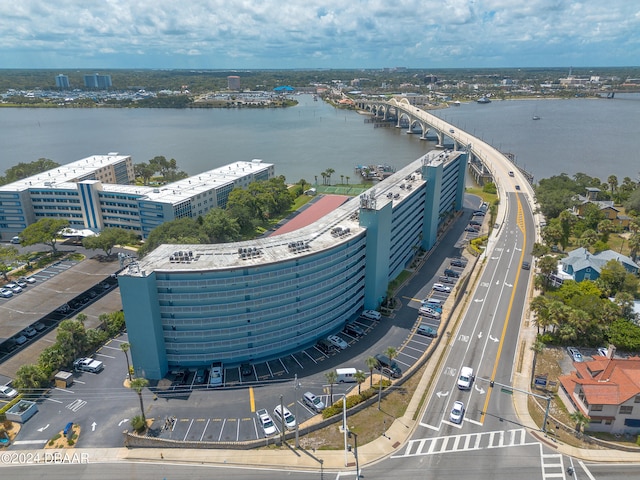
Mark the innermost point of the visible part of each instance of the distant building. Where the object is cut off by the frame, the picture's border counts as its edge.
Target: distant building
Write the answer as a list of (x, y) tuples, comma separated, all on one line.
[(581, 265), (62, 81), (97, 192), (97, 81), (605, 206), (233, 82)]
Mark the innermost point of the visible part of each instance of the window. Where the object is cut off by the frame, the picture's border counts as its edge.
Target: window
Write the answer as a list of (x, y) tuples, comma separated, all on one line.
[(637, 399), (596, 408), (626, 410)]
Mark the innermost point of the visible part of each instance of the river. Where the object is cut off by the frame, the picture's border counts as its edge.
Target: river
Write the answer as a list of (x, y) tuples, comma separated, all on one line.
[(597, 137)]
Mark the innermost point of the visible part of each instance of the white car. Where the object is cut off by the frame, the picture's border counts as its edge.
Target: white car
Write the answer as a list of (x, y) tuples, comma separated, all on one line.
[(28, 279), (216, 375), (439, 287), (429, 312), (14, 287), (88, 364), (337, 341), (7, 392), (283, 413), (457, 412), (371, 315), (6, 293), (266, 423)]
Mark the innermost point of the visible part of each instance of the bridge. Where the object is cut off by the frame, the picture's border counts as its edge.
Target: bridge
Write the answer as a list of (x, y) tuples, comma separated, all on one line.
[(483, 158)]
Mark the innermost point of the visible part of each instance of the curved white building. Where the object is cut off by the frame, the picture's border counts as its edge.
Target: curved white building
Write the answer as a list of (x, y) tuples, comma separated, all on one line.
[(190, 305)]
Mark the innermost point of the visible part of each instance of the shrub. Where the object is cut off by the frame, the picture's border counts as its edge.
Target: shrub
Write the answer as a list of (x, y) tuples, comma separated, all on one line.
[(138, 424)]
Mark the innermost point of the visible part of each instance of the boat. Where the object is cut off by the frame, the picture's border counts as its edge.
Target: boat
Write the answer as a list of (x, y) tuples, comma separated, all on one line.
[(483, 100), (456, 103), (535, 117)]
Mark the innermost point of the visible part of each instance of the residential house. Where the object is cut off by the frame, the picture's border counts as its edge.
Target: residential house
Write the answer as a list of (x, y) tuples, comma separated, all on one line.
[(581, 265), (607, 390), (605, 206)]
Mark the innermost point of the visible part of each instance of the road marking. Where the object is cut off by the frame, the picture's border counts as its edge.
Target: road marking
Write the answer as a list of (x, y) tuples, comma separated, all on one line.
[(103, 355), (252, 400), (30, 442), (53, 400), (520, 218), (224, 421), (188, 430), (76, 405), (205, 429)]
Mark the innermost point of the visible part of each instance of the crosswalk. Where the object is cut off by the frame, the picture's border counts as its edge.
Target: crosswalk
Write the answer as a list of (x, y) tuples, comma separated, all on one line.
[(552, 466), (465, 442)]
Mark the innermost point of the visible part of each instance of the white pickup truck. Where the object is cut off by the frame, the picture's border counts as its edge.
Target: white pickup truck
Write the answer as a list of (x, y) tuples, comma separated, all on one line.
[(88, 365)]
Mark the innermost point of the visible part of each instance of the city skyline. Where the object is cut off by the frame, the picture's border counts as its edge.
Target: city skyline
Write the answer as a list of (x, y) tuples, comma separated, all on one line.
[(215, 34)]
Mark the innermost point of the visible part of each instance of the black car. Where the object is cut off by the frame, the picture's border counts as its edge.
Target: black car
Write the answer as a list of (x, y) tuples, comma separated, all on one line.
[(353, 329), (451, 273), (325, 347), (526, 265), (246, 369)]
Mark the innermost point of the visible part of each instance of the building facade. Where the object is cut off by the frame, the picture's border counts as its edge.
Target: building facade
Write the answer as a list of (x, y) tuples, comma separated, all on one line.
[(191, 305), (62, 81), (97, 81), (97, 192), (233, 82)]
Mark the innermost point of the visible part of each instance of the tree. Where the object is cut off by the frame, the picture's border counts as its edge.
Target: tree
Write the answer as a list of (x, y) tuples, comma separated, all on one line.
[(580, 419), (347, 178), (547, 265), (588, 239), (371, 363), (72, 336), (109, 238), (634, 246), (332, 378), (43, 231), (360, 377), (8, 255), (605, 227), (329, 171), (139, 384), (633, 202), (613, 183), (566, 219), (553, 234), (392, 353), (181, 231), (612, 278), (24, 170), (145, 171), (124, 346), (220, 226), (30, 377)]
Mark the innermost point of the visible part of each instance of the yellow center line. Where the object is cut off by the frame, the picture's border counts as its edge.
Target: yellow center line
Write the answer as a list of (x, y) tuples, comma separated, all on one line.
[(520, 222), (252, 400)]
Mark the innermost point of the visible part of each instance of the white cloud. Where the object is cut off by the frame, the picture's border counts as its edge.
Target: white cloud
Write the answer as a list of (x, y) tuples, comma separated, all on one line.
[(314, 33)]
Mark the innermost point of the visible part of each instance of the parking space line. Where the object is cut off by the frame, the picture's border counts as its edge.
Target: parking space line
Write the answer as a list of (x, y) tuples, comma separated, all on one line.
[(205, 429), (252, 400), (296, 360), (269, 367), (224, 420), (413, 348), (188, 430), (238, 431), (53, 400), (312, 359), (103, 355), (283, 365), (111, 348), (255, 426)]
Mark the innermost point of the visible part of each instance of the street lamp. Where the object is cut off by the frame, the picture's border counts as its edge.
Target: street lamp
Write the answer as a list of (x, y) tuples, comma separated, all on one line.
[(296, 388), (345, 429), (355, 452)]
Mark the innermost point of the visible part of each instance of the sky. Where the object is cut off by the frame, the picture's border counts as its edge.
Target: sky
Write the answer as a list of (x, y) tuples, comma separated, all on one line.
[(312, 34)]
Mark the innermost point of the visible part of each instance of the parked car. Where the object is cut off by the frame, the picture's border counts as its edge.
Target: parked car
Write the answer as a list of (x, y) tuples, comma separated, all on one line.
[(28, 279), (427, 331), (479, 213), (87, 364), (246, 369), (337, 341), (7, 392), (14, 287), (20, 339), (6, 293), (283, 413), (458, 262), (39, 326), (22, 284), (266, 423), (29, 332), (439, 287), (457, 412), (353, 329), (451, 273), (199, 376), (216, 374), (575, 354), (429, 312), (325, 347), (603, 351), (371, 314), (313, 401)]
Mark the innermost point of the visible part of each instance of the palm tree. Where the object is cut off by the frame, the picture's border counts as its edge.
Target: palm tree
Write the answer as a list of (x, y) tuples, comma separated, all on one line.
[(139, 384), (580, 419), (537, 347), (392, 353), (371, 364), (324, 177), (341, 179), (360, 377), (613, 183), (125, 348), (347, 178), (332, 378), (329, 171)]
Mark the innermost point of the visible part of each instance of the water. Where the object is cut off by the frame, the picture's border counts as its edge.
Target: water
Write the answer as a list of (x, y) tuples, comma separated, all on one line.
[(599, 137), (302, 141), (596, 137)]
